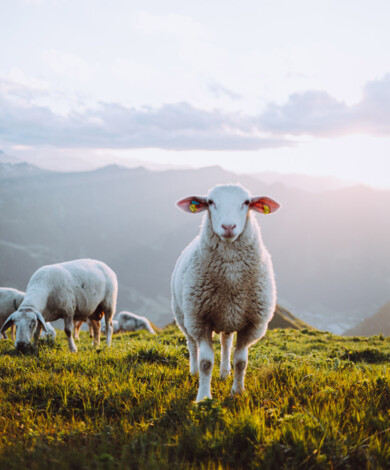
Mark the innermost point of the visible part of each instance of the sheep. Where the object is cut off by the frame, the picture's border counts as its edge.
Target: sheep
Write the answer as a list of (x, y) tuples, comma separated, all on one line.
[(74, 290), (224, 282), (10, 299), (127, 321), (50, 333)]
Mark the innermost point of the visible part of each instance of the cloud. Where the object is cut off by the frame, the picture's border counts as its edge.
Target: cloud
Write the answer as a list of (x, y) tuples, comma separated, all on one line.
[(318, 114), (177, 126), (181, 126)]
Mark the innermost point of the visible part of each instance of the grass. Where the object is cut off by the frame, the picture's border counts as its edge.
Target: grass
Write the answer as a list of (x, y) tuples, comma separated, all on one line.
[(313, 400)]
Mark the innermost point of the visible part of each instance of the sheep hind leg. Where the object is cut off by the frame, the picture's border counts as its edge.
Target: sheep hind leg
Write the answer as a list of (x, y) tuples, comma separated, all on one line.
[(95, 326), (77, 328), (194, 355), (226, 348), (109, 311), (193, 349)]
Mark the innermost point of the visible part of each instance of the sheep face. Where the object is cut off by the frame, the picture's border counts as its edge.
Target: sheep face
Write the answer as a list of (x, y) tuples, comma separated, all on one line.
[(26, 322), (228, 207)]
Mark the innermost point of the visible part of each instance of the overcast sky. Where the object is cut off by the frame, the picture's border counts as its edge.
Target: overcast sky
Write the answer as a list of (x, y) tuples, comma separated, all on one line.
[(293, 86)]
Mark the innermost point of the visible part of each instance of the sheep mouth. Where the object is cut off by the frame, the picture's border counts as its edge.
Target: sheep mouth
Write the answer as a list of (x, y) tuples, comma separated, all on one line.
[(228, 236)]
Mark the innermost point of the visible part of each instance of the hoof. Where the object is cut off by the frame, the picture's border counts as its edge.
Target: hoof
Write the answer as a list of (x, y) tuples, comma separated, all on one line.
[(236, 390)]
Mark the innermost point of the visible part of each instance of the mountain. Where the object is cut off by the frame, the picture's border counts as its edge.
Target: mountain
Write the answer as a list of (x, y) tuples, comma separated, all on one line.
[(313, 184), (284, 319), (330, 250), (6, 158), (374, 325)]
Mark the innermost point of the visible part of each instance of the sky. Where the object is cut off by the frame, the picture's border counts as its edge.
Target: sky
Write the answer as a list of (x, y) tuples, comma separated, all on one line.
[(297, 86)]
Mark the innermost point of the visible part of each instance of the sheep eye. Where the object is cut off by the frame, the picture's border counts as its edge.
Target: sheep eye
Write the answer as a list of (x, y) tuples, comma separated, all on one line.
[(211, 202), (246, 203)]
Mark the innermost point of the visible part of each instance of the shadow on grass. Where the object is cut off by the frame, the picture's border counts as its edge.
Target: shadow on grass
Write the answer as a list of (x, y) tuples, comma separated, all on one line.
[(369, 355)]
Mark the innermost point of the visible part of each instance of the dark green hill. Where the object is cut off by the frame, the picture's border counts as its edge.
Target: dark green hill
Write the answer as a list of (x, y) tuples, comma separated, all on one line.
[(285, 319), (374, 325)]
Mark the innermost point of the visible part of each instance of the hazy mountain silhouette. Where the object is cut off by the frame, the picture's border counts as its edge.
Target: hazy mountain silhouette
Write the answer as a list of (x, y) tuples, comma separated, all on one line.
[(313, 184), (374, 325), (330, 250)]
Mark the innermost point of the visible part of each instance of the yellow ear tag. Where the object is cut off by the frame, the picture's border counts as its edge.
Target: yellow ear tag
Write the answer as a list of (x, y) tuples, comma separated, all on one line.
[(194, 207), (266, 209)]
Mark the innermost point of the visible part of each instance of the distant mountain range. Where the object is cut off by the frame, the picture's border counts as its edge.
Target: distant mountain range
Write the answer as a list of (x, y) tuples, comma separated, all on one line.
[(313, 184), (330, 249), (374, 325)]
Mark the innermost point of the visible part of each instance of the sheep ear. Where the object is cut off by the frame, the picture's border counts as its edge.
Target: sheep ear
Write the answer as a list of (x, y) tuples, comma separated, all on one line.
[(41, 320), (193, 204), (264, 204), (8, 323)]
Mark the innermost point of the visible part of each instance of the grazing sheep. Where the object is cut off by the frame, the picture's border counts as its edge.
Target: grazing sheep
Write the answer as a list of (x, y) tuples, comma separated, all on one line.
[(50, 333), (224, 282), (127, 321), (10, 299), (74, 290), (115, 327)]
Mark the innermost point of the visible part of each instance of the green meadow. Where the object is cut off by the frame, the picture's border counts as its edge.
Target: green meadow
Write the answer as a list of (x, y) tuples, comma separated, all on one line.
[(313, 400)]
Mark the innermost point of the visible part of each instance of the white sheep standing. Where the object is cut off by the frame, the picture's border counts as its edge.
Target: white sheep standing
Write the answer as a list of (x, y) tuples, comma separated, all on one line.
[(128, 321), (10, 299), (74, 290), (223, 282)]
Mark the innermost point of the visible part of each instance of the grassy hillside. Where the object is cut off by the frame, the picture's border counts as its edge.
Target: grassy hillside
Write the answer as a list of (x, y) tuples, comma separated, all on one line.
[(379, 323), (313, 400)]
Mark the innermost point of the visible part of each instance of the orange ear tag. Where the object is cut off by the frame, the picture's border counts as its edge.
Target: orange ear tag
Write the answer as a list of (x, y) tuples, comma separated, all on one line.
[(266, 209)]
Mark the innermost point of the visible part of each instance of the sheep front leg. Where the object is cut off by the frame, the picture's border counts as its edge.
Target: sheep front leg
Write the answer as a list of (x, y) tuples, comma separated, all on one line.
[(37, 334), (226, 347), (206, 362), (245, 338), (68, 322)]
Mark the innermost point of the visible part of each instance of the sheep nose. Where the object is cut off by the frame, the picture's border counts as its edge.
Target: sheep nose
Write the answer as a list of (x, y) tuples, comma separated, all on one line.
[(228, 228), (21, 345)]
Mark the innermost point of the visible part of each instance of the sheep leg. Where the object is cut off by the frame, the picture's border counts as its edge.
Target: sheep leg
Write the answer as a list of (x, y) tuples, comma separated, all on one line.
[(206, 362), (226, 347), (37, 334), (68, 321), (245, 338), (108, 314), (77, 327), (194, 355), (95, 326), (13, 332)]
